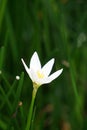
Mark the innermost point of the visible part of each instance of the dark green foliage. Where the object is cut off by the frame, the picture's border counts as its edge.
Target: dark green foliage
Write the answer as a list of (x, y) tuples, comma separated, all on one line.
[(53, 28)]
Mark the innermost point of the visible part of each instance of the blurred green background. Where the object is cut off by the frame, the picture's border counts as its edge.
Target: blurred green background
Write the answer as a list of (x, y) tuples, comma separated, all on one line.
[(53, 28)]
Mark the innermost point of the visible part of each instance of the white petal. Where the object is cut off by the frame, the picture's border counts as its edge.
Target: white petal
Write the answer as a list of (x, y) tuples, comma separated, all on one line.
[(25, 66), (35, 62), (27, 69), (48, 67), (53, 76), (33, 76)]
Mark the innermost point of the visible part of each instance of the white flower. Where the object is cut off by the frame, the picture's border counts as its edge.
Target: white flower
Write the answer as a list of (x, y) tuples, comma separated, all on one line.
[(41, 75)]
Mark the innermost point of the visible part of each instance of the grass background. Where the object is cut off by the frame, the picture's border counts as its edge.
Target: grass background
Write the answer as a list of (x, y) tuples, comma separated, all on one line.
[(53, 28)]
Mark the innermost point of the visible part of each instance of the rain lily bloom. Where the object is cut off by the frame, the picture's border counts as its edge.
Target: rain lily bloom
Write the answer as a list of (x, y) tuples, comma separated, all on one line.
[(41, 75)]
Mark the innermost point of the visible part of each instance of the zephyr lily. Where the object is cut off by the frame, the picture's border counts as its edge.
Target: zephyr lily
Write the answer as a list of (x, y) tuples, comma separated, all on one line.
[(39, 75)]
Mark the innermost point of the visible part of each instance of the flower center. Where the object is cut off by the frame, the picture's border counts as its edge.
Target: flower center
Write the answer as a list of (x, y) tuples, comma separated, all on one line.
[(40, 75)]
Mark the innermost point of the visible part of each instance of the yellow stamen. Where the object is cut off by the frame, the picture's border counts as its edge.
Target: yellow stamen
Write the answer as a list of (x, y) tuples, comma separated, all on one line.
[(40, 75)]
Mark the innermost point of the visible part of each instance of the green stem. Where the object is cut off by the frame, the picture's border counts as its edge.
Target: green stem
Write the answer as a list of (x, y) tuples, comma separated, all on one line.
[(31, 109)]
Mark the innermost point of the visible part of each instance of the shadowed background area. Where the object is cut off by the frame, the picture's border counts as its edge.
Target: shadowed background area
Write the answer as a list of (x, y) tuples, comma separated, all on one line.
[(53, 28)]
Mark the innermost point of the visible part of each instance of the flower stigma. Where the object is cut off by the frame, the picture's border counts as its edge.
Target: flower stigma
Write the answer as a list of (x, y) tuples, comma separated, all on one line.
[(40, 75)]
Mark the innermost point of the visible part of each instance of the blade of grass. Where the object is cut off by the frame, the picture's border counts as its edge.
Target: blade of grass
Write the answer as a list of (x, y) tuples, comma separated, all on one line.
[(2, 52), (18, 92), (22, 117), (11, 91), (6, 99), (3, 125), (46, 30), (17, 98), (2, 11), (64, 35), (5, 80), (11, 36), (77, 108)]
